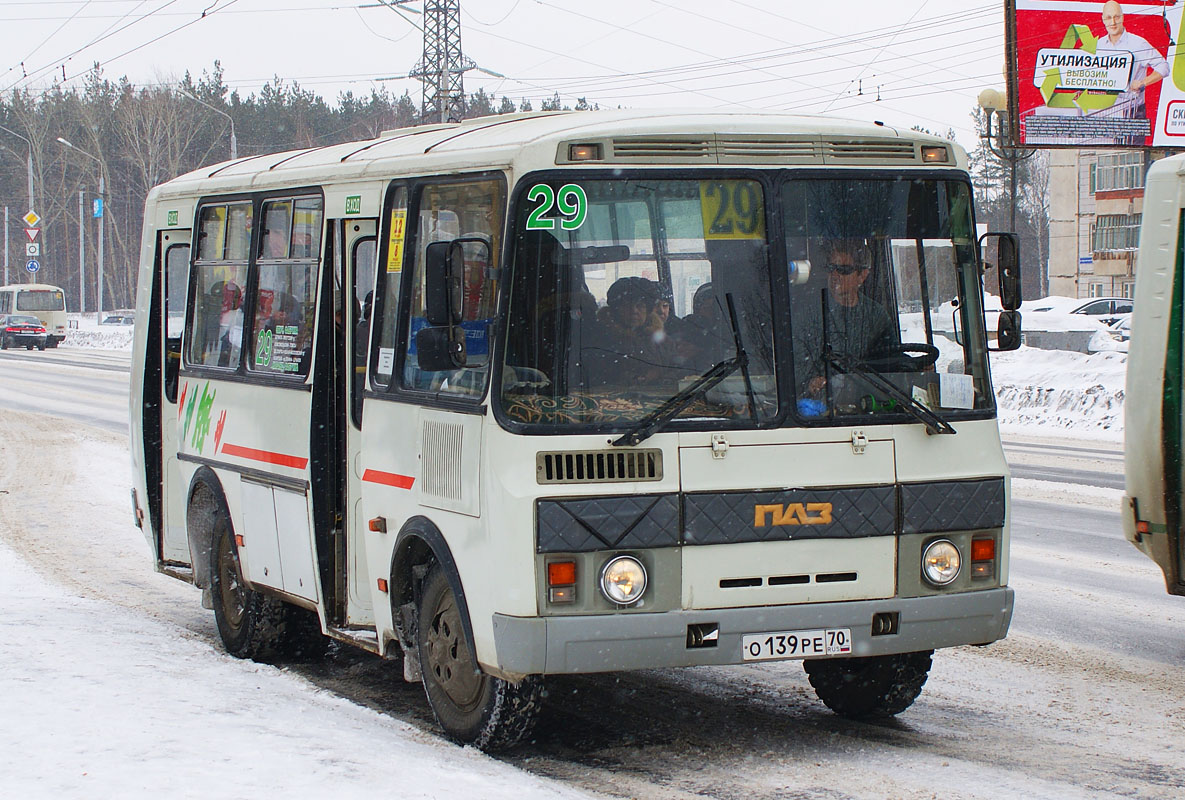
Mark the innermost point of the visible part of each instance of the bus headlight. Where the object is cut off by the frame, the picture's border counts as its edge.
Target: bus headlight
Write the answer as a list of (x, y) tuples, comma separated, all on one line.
[(623, 580), (941, 562)]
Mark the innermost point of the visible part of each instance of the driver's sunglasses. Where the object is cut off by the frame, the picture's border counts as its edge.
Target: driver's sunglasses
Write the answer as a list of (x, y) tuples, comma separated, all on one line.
[(845, 269)]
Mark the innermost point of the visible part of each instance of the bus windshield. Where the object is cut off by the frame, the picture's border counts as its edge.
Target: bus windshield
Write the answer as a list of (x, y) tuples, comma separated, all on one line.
[(627, 291), (40, 300)]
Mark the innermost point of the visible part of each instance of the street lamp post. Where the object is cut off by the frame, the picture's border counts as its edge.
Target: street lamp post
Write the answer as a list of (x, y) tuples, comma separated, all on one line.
[(102, 217), (234, 143), (30, 162), (1001, 144)]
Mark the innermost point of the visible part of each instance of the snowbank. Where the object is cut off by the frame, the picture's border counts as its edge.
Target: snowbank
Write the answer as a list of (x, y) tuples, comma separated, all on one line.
[(85, 332), (1043, 392)]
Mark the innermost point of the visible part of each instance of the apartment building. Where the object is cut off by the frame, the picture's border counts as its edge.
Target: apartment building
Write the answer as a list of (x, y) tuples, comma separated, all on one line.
[(1095, 205)]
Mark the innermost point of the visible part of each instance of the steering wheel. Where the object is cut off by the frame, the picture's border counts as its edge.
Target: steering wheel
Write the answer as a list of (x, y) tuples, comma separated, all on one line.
[(904, 357), (519, 378)]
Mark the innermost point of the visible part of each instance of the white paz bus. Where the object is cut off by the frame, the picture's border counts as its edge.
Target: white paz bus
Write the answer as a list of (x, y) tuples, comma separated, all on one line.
[(1154, 418), (580, 392), (47, 303)]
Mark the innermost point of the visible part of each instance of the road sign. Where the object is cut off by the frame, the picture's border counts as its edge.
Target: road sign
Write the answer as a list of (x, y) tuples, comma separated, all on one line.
[(33, 265), (31, 219), (32, 233), (32, 249), (97, 207)]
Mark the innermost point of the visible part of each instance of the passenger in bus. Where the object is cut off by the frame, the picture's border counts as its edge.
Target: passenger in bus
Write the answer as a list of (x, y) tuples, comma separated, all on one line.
[(855, 326), (631, 347), (703, 337), (230, 325)]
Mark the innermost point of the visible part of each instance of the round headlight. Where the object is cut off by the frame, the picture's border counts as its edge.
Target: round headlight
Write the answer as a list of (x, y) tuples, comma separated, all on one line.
[(941, 562), (623, 580)]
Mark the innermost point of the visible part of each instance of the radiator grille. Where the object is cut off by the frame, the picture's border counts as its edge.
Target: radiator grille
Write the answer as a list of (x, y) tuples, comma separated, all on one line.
[(598, 466), (441, 449)]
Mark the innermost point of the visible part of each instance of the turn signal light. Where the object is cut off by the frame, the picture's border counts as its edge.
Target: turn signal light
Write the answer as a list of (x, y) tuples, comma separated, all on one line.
[(933, 154), (983, 549), (584, 152), (378, 524), (561, 573), (561, 582)]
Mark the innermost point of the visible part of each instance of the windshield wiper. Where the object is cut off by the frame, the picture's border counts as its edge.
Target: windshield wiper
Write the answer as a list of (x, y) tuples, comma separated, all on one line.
[(657, 419), (845, 363)]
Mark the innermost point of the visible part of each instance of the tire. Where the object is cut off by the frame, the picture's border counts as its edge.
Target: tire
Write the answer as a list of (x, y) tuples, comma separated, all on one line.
[(252, 624), (41, 347), (29, 347), (869, 688), (3, 344), (473, 708)]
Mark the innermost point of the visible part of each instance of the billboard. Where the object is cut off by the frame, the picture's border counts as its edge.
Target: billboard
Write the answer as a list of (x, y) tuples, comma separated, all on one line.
[(1097, 74)]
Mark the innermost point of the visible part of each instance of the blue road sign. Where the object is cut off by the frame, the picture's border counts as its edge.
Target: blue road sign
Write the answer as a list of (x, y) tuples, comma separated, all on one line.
[(33, 265), (97, 207)]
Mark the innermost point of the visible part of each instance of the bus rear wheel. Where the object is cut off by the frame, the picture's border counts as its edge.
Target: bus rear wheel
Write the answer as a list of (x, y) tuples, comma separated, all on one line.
[(472, 707), (872, 687), (252, 624)]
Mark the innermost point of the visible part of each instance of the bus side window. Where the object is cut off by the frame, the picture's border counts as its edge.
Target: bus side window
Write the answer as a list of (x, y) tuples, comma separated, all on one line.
[(286, 295), (214, 335), (390, 275), (472, 211), (176, 268)]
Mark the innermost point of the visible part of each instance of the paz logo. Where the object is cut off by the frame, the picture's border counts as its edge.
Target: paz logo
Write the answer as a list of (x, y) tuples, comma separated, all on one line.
[(791, 514), (1077, 75)]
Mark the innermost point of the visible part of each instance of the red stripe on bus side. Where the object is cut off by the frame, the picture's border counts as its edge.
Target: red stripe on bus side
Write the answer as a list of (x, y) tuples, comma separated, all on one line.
[(388, 479), (296, 462)]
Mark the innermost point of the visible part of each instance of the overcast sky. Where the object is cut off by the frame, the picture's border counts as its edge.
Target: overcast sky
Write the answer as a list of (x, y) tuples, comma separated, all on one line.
[(908, 62)]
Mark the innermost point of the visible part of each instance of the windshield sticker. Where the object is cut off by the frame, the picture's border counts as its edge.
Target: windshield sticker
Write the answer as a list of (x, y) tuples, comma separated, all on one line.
[(570, 201), (395, 242), (956, 390), (732, 210)]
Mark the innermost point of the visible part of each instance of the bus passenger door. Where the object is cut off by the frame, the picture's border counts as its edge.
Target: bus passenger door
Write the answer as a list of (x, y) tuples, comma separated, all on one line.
[(174, 247), (360, 242)]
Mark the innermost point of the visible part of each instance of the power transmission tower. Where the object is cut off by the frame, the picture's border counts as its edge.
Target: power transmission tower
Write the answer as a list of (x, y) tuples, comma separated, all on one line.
[(443, 65)]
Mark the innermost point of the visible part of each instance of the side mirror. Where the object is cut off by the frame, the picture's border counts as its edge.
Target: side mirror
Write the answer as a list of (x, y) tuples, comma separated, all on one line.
[(443, 270), (440, 348), (1008, 264), (1008, 331)]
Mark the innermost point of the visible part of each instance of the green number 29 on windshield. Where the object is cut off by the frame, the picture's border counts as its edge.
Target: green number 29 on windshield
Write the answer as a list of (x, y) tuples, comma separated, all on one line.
[(570, 201)]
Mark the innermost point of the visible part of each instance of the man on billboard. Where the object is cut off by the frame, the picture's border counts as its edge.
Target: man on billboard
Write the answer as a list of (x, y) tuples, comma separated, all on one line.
[(1150, 66)]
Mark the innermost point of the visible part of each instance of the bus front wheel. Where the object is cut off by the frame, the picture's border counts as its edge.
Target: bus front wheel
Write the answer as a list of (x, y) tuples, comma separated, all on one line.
[(252, 624), (871, 687), (472, 707)]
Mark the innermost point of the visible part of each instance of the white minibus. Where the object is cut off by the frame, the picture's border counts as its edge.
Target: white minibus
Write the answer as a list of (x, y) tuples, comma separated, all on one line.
[(47, 303), (581, 392)]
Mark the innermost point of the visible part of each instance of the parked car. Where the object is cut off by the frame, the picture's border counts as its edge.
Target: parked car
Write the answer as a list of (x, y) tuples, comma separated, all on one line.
[(1105, 309), (119, 319), (1121, 329), (20, 330)]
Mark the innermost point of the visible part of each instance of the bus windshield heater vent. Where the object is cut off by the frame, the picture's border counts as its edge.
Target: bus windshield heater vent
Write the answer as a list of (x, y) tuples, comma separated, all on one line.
[(598, 466), (657, 149), (767, 150), (869, 150)]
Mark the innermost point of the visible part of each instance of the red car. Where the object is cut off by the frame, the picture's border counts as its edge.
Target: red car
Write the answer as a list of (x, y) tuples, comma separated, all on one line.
[(17, 330)]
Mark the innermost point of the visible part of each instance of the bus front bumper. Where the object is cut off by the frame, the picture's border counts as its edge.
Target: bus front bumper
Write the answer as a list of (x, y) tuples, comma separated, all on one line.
[(613, 642)]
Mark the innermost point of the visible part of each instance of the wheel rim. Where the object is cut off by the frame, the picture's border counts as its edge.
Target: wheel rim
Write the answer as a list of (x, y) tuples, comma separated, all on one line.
[(448, 655), (232, 592)]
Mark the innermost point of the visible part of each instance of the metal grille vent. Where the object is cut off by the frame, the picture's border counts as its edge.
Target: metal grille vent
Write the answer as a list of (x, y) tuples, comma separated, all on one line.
[(598, 466), (753, 150), (863, 150), (441, 449), (656, 149)]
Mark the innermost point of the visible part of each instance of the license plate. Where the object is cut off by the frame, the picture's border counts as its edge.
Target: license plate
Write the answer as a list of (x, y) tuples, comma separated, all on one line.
[(796, 644)]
